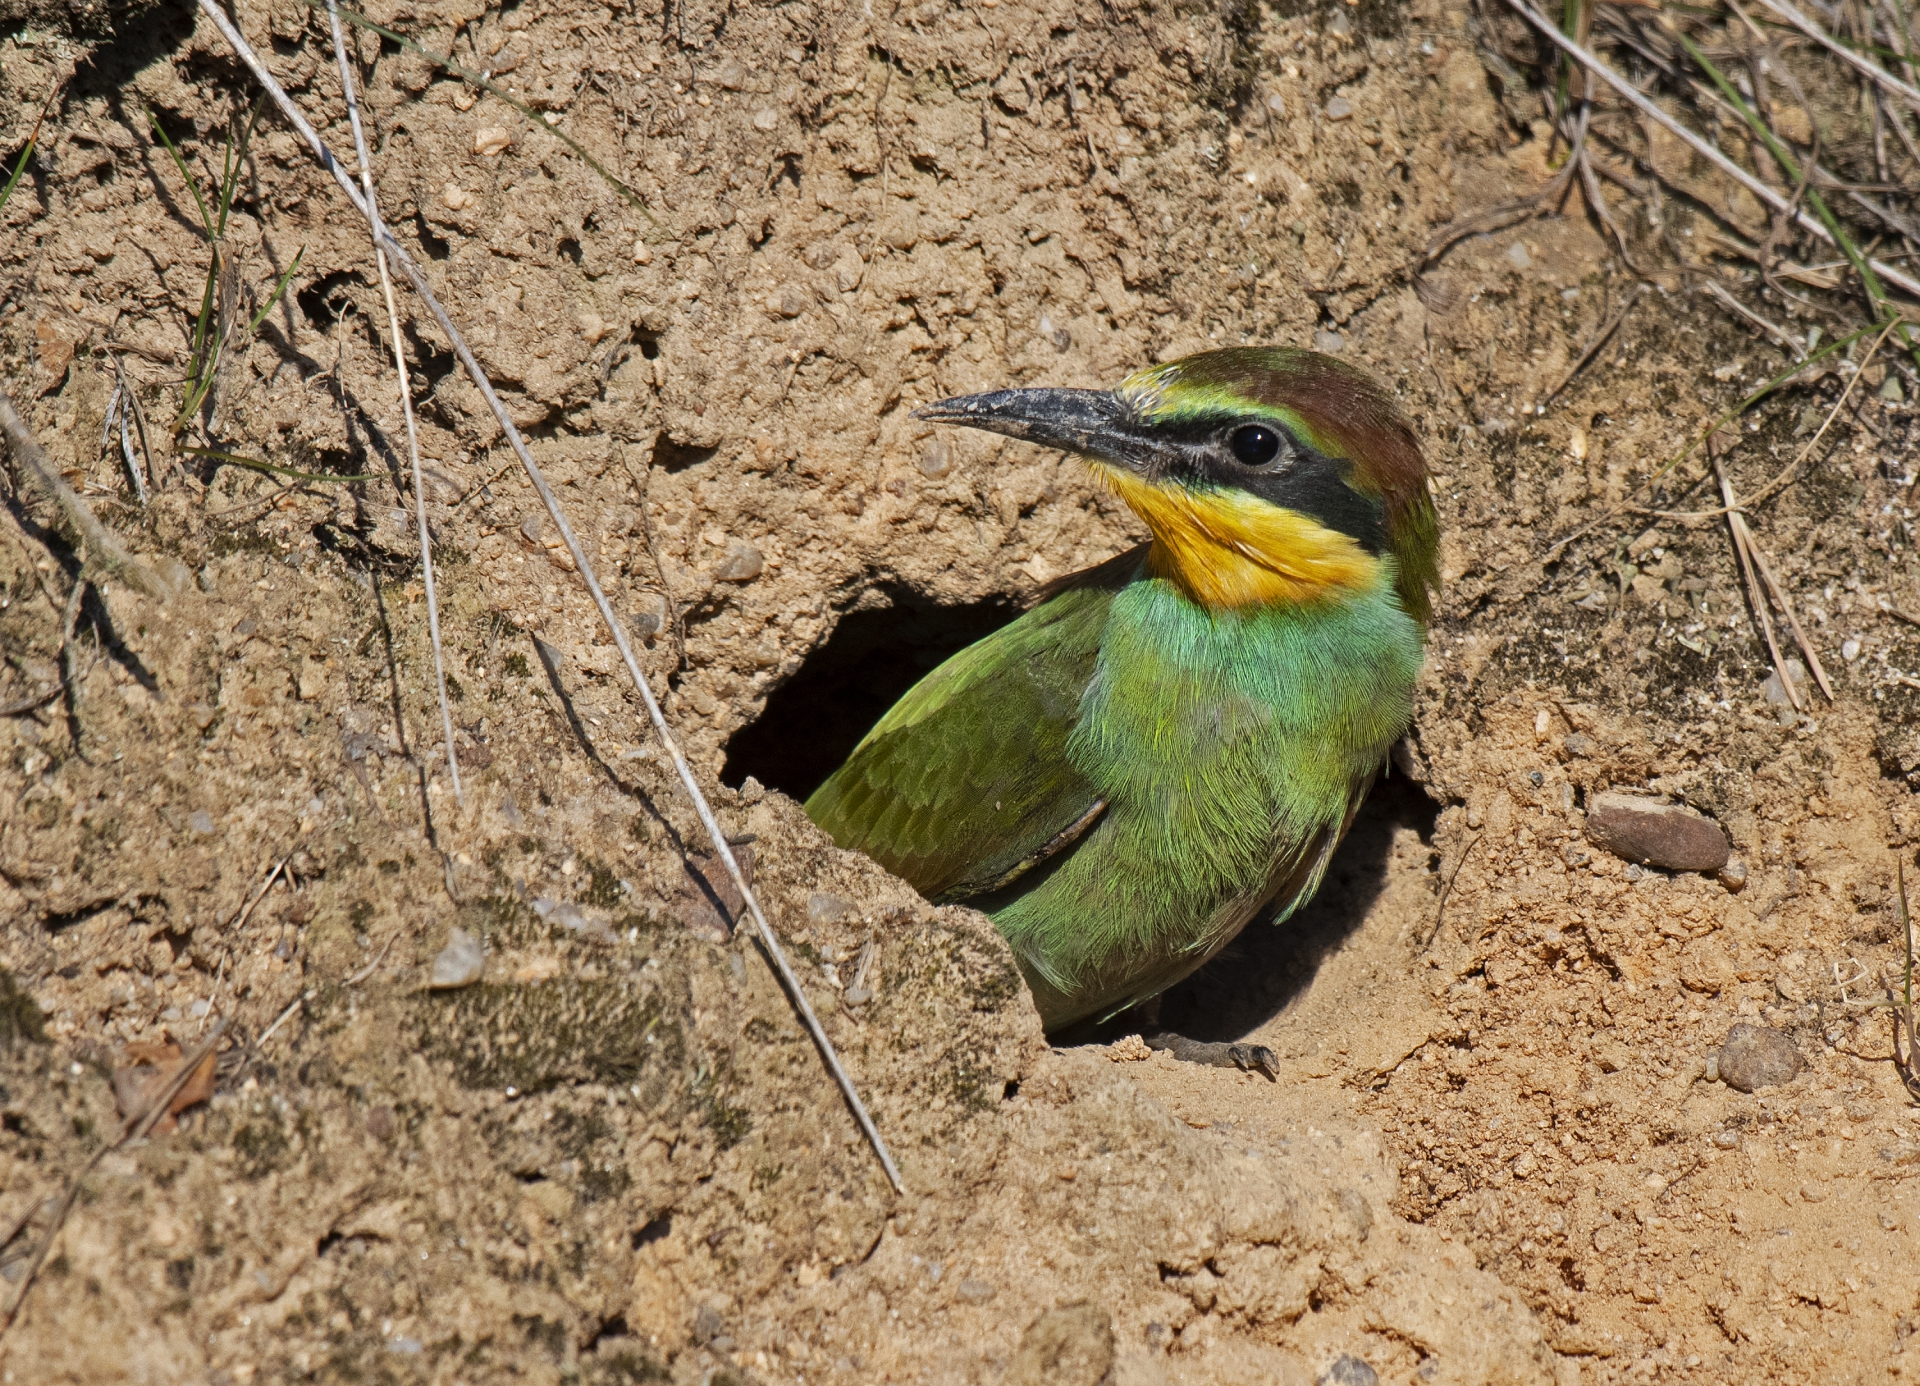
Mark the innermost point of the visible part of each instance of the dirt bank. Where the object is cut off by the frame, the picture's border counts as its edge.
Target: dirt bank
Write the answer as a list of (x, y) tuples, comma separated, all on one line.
[(1492, 1154)]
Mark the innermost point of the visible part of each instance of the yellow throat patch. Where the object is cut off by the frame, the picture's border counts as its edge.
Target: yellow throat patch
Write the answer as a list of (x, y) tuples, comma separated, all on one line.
[(1228, 550)]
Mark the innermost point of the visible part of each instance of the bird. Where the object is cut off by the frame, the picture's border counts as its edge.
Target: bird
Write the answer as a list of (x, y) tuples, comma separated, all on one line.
[(1171, 743)]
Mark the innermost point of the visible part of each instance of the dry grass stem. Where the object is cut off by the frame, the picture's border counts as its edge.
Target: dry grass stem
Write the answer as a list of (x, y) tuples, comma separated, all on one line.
[(1787, 474), (103, 551), (1858, 61), (283, 1018), (406, 396), (1446, 891), (1647, 107), (768, 939), (1781, 600), (1756, 598), (1906, 1064), (1781, 337), (1600, 339)]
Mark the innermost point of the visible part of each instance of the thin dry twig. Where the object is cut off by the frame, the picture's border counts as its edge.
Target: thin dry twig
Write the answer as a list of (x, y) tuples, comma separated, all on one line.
[(769, 941), (1779, 590), (1866, 66), (245, 912), (1781, 337), (136, 1125), (21, 706), (1647, 107), (104, 552), (1446, 892), (117, 414), (285, 1016), (1607, 329), (1787, 474), (1756, 598), (406, 393), (1906, 1065)]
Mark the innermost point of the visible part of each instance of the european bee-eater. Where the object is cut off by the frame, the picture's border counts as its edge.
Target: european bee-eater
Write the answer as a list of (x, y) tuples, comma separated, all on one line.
[(1175, 740)]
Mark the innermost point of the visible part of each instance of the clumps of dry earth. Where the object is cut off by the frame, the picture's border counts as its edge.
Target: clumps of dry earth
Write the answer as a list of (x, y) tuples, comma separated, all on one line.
[(1494, 1153)]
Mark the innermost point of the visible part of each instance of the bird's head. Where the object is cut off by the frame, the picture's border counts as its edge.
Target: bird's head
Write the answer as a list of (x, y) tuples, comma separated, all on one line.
[(1267, 475)]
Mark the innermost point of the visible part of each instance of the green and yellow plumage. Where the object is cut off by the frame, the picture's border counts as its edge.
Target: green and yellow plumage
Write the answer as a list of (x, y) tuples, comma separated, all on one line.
[(1172, 741)]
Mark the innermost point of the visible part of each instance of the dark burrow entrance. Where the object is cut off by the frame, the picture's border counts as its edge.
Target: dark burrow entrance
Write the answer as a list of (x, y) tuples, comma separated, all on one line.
[(814, 720)]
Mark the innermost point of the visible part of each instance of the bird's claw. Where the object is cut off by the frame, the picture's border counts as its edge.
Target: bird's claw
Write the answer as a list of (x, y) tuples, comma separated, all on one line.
[(1245, 1057), (1255, 1056)]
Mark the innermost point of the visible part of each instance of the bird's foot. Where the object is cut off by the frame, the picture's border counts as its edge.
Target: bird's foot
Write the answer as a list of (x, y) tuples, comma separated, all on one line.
[(1247, 1057)]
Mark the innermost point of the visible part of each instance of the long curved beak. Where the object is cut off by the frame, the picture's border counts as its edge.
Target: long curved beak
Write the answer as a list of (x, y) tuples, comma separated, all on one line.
[(1092, 423)]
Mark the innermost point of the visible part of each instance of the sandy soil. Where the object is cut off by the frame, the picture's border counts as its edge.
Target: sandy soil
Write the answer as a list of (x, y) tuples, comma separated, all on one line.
[(1493, 1153)]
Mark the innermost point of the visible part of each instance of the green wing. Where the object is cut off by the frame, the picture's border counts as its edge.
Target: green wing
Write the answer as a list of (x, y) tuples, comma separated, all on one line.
[(965, 783)]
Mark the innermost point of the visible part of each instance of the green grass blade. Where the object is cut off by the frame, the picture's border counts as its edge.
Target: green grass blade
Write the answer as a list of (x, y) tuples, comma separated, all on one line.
[(1876, 294), (200, 356), (1837, 345), (447, 64), (267, 467), (278, 289), (234, 161), (206, 222), (19, 168)]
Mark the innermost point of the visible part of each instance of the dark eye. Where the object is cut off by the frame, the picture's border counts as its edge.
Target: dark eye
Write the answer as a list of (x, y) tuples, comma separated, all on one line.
[(1255, 445)]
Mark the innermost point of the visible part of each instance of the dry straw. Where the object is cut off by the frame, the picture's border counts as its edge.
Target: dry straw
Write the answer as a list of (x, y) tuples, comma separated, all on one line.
[(398, 256)]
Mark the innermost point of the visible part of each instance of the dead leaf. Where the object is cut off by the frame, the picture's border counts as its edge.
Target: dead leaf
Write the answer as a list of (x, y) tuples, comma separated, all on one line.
[(56, 338), (708, 902), (148, 1067)]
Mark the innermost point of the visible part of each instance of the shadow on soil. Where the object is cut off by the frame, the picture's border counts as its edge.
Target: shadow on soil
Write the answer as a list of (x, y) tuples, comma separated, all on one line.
[(1262, 971), (814, 720)]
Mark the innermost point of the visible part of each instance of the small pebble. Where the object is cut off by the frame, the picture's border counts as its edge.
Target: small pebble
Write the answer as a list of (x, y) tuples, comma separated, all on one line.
[(1726, 1140), (1339, 108), (1733, 875), (766, 118), (1849, 650), (1775, 692), (975, 1291), (1578, 744), (1330, 342), (1518, 257), (200, 821), (1650, 833), (742, 563), (936, 459), (707, 1324), (490, 140), (1348, 1370), (460, 963), (1756, 1057), (827, 909), (1711, 1071)]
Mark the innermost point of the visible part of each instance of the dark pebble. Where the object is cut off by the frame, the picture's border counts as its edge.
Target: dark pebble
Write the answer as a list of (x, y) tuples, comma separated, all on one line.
[(1650, 833), (1755, 1057), (1348, 1370)]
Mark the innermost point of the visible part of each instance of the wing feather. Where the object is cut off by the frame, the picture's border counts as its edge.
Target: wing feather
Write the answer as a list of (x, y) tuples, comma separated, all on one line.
[(965, 784)]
